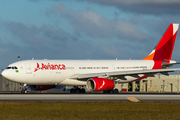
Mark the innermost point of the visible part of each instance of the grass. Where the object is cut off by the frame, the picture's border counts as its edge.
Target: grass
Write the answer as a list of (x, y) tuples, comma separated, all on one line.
[(89, 110)]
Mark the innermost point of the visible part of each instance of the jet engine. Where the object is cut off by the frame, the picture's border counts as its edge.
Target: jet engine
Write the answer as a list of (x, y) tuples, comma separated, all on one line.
[(100, 84), (41, 87)]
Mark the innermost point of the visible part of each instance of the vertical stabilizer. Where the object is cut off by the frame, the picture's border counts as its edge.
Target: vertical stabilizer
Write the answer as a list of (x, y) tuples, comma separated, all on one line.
[(164, 49)]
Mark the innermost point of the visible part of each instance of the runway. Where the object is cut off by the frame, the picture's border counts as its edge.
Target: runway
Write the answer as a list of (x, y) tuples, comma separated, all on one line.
[(90, 97)]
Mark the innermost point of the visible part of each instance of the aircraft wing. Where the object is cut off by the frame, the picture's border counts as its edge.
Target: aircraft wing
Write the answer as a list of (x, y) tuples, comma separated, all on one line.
[(121, 74)]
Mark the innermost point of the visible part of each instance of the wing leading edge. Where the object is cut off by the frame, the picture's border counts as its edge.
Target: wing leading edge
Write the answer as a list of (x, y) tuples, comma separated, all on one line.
[(121, 74)]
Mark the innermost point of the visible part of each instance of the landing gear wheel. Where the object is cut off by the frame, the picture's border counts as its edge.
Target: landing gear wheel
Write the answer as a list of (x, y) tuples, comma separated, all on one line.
[(72, 90), (105, 92), (109, 91), (24, 91), (77, 90), (115, 91), (82, 90)]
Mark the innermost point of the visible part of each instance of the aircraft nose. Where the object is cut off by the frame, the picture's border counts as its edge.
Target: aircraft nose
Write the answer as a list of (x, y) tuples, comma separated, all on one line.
[(4, 73)]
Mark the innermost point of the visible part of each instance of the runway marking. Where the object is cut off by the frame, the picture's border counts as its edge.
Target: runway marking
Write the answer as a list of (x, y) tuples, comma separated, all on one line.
[(133, 99)]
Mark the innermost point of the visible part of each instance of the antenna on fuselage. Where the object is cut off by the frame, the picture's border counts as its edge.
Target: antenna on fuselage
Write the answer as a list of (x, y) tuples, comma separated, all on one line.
[(19, 58)]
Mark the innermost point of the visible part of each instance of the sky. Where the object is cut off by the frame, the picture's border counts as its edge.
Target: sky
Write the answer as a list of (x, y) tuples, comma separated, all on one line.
[(84, 29)]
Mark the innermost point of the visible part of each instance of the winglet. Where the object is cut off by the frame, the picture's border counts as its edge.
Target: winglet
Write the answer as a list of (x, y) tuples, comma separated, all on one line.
[(164, 49)]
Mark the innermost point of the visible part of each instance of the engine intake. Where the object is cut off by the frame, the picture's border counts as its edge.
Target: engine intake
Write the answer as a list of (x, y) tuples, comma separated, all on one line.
[(100, 84)]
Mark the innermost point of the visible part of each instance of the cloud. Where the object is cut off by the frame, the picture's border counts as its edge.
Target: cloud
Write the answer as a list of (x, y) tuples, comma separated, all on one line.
[(93, 37), (95, 25), (155, 7), (45, 42), (48, 42), (45, 39)]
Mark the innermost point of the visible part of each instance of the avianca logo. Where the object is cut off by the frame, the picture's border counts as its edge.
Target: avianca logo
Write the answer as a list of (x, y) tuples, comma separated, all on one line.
[(50, 67), (101, 85)]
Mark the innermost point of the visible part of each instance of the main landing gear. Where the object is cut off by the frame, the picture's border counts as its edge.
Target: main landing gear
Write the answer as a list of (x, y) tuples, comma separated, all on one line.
[(82, 90), (111, 91), (77, 90)]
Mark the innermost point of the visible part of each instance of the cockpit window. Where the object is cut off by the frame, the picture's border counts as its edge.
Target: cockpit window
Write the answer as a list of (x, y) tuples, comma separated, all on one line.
[(13, 67), (8, 68)]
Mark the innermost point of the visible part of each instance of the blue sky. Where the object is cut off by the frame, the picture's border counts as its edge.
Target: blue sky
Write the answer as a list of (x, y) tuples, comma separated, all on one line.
[(84, 29)]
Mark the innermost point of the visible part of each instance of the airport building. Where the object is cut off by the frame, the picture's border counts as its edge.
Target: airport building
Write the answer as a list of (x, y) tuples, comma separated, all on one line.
[(10, 86), (159, 83), (7, 85)]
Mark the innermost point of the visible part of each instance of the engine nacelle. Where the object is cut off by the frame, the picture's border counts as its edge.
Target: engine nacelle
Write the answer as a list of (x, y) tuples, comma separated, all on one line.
[(100, 84), (41, 87)]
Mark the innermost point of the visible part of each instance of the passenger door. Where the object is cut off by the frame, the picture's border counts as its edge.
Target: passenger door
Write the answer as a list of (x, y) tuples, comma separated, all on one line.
[(28, 69)]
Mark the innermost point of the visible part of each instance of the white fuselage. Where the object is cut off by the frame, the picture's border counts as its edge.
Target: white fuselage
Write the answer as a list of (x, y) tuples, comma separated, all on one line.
[(38, 72)]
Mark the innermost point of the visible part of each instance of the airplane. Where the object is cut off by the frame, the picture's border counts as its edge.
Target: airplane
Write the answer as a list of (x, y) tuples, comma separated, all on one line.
[(95, 75)]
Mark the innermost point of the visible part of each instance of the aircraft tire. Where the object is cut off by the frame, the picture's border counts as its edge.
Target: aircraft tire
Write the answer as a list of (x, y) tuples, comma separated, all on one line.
[(72, 90), (22, 91), (78, 90), (82, 90), (115, 91), (105, 92), (109, 91)]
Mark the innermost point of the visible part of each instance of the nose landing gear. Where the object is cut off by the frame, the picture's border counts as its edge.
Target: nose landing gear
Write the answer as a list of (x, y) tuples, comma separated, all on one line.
[(23, 88)]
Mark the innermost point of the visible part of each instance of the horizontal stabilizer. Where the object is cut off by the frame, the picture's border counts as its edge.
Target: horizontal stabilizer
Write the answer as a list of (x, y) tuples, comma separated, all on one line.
[(167, 65)]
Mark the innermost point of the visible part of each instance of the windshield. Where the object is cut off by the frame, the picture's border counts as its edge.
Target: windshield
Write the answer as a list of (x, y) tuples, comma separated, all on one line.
[(13, 67)]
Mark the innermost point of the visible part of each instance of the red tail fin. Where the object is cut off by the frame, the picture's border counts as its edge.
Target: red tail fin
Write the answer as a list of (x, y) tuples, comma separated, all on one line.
[(164, 49)]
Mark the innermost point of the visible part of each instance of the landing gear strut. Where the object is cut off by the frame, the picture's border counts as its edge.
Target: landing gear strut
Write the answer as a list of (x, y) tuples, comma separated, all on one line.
[(77, 90)]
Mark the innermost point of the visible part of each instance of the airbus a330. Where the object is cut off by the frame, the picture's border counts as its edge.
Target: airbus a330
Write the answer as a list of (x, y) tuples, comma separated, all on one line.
[(98, 75)]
